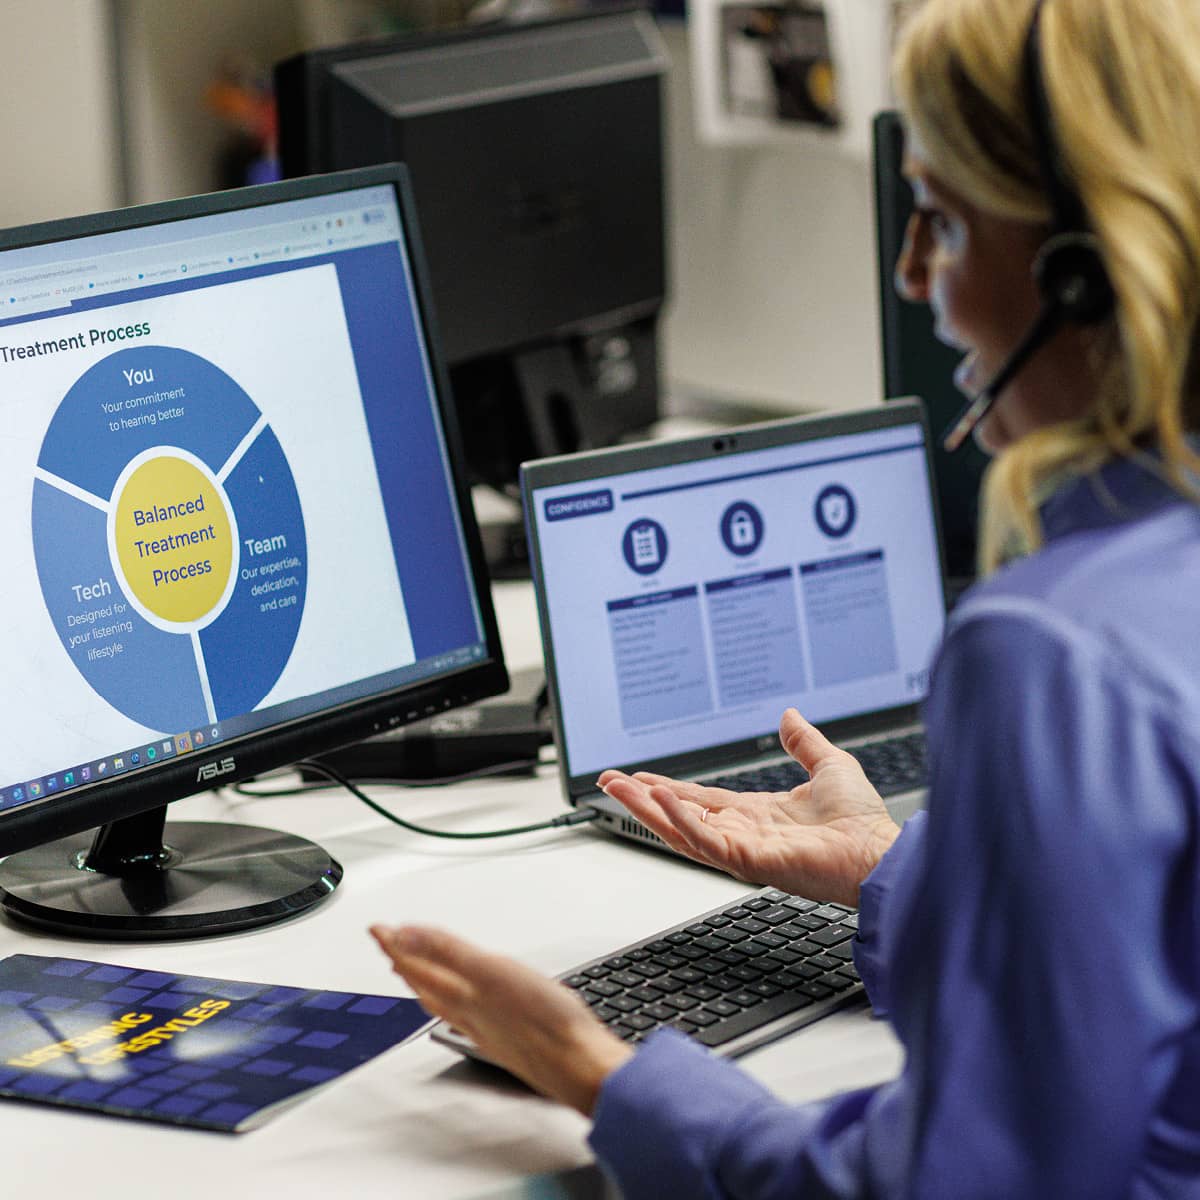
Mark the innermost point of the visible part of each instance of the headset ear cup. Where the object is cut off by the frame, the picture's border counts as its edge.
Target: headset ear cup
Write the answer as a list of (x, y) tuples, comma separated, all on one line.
[(1071, 276)]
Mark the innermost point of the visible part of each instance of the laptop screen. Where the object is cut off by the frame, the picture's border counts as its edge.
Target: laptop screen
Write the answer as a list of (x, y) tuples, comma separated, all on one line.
[(690, 592)]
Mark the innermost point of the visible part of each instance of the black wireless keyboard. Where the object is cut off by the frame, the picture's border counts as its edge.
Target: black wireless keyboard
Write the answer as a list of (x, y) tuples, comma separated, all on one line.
[(894, 765), (732, 978)]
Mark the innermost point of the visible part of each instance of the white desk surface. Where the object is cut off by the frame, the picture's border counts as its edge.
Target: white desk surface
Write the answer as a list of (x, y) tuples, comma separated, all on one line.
[(417, 1121)]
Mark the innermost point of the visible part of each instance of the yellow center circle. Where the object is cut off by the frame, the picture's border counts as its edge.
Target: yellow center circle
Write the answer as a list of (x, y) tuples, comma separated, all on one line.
[(173, 539)]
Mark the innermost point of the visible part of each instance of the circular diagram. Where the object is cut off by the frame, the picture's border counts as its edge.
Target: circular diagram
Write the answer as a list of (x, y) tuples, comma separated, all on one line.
[(169, 539)]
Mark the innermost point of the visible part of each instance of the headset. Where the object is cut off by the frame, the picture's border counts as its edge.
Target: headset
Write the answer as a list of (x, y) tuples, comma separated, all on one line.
[(1069, 269)]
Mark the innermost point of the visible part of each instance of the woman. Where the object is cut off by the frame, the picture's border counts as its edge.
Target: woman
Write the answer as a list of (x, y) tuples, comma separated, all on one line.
[(1035, 936)]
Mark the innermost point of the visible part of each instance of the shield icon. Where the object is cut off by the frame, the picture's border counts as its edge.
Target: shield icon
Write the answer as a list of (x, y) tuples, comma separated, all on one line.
[(835, 509)]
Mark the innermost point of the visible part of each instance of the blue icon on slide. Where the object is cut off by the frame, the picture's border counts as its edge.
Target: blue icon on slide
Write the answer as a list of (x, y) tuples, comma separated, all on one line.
[(645, 546), (742, 528), (835, 511)]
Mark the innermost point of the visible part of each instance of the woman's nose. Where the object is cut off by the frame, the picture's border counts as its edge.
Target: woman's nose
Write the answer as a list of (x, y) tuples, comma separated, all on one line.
[(911, 277)]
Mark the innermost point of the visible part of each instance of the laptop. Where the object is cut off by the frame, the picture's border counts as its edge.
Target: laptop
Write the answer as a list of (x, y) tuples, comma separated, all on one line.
[(689, 590)]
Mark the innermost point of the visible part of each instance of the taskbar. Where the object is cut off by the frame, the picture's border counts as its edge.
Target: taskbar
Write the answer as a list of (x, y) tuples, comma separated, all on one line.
[(167, 746), (143, 755)]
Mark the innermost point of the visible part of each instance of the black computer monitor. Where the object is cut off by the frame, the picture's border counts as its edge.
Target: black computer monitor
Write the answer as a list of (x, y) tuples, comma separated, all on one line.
[(915, 363), (235, 533), (537, 165)]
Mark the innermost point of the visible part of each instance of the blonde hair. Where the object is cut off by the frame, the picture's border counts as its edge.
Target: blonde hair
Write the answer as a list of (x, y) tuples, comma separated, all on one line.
[(1123, 81)]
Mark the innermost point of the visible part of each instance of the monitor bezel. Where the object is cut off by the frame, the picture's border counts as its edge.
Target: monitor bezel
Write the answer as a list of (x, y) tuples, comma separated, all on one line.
[(240, 757)]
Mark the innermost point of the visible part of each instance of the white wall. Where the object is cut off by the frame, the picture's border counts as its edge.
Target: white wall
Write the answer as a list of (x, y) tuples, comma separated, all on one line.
[(772, 252), (58, 141), (773, 274), (172, 50)]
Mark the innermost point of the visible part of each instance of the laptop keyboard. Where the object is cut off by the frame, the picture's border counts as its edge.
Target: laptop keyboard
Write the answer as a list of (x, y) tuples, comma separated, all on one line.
[(893, 765), (733, 978)]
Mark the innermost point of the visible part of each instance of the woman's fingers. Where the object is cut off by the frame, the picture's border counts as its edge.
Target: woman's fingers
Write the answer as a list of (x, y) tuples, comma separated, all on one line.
[(805, 742), (638, 799)]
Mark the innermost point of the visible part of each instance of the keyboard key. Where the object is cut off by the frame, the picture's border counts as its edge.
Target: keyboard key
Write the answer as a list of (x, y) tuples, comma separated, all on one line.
[(732, 935), (831, 936), (763, 988), (836, 981), (777, 915), (783, 957), (683, 1001), (755, 947), (670, 961), (660, 1012), (751, 925), (755, 1018), (646, 994), (625, 1004), (825, 961), (649, 970), (725, 983), (730, 957), (722, 1008), (747, 974), (785, 979), (830, 912), (818, 991), (627, 979)]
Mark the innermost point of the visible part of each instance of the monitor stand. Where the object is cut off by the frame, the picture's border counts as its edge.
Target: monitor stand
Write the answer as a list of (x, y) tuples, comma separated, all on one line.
[(143, 879)]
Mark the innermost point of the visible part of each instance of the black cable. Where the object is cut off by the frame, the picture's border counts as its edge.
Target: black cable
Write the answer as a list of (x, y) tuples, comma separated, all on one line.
[(578, 816)]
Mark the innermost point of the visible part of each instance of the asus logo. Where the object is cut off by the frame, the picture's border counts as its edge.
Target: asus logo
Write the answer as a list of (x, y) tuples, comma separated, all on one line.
[(213, 770)]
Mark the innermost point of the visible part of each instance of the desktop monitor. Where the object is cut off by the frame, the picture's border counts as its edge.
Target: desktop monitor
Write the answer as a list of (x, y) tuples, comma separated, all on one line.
[(537, 165), (236, 534), (915, 363)]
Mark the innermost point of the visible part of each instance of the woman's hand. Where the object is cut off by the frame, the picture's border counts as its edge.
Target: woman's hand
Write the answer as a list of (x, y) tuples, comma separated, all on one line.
[(820, 840), (530, 1025)]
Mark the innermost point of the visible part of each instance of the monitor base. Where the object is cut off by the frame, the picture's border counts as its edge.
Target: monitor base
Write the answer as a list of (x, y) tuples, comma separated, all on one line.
[(206, 878)]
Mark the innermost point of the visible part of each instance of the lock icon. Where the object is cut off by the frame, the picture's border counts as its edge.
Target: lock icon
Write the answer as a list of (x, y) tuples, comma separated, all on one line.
[(741, 529)]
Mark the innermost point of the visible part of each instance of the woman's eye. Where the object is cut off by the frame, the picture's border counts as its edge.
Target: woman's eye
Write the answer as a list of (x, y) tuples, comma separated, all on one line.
[(935, 219)]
